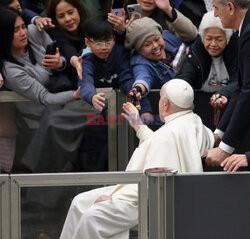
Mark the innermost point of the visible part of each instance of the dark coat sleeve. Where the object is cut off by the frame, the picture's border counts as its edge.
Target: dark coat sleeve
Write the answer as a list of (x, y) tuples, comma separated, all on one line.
[(191, 72), (87, 84), (28, 15), (248, 159), (239, 122), (230, 57)]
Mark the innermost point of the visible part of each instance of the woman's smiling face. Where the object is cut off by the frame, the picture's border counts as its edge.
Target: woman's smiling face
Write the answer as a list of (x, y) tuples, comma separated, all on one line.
[(214, 41)]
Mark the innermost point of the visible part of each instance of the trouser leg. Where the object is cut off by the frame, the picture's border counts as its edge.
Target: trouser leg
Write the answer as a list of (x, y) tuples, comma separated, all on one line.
[(108, 219), (78, 206)]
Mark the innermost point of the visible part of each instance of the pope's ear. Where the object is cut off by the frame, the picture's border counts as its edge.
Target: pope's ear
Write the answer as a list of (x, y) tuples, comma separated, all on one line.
[(166, 104)]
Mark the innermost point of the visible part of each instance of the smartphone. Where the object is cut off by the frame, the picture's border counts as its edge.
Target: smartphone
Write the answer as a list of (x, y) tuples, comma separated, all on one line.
[(117, 11), (51, 48), (134, 10), (179, 58)]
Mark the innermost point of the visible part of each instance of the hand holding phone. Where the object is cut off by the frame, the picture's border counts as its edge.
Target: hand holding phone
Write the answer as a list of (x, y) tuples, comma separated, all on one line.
[(52, 58), (51, 48), (117, 19)]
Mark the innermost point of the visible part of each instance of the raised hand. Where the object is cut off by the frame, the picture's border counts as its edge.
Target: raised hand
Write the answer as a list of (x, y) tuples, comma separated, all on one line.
[(163, 4), (77, 63), (132, 115), (76, 94), (134, 95), (118, 22), (98, 101), (53, 61), (42, 22)]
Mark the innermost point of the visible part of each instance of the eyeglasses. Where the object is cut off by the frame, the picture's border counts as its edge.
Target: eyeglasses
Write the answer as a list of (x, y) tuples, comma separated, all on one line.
[(99, 44)]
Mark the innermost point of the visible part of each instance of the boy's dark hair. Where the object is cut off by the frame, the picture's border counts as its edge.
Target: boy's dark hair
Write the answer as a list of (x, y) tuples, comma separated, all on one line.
[(98, 27)]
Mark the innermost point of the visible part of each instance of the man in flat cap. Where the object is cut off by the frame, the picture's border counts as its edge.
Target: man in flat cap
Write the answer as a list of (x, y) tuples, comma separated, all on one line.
[(110, 212)]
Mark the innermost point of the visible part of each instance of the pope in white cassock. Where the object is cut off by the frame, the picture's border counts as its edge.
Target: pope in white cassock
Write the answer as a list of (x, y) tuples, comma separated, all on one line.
[(110, 212)]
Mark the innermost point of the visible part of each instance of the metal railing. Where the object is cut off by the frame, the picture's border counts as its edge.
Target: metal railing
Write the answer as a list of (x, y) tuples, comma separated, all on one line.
[(115, 130), (10, 188), (185, 205)]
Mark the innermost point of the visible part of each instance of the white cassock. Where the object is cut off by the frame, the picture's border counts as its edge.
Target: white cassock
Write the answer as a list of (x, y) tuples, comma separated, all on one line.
[(179, 143)]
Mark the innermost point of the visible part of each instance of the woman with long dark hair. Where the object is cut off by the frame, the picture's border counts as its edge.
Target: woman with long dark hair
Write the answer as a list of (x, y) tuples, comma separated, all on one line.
[(68, 17), (56, 145), (23, 63)]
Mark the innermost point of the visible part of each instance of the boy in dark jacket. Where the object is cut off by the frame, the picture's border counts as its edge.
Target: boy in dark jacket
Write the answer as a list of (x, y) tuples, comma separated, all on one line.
[(108, 65)]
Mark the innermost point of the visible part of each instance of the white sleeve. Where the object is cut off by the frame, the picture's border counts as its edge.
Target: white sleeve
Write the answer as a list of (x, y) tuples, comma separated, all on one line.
[(144, 133)]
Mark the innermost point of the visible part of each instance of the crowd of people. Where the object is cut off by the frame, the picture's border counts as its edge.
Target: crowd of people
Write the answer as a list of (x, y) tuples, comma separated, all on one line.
[(94, 48)]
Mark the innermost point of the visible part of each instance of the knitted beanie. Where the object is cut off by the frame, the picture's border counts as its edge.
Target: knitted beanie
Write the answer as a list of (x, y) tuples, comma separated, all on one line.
[(139, 30), (210, 21)]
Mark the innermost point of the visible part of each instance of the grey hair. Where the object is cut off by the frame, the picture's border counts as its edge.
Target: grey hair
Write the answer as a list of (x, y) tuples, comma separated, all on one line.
[(210, 21), (241, 4)]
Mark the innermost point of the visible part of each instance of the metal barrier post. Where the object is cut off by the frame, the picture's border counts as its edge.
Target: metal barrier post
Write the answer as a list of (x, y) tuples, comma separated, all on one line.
[(15, 212), (161, 203), (112, 132), (143, 209), (122, 135), (5, 207)]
